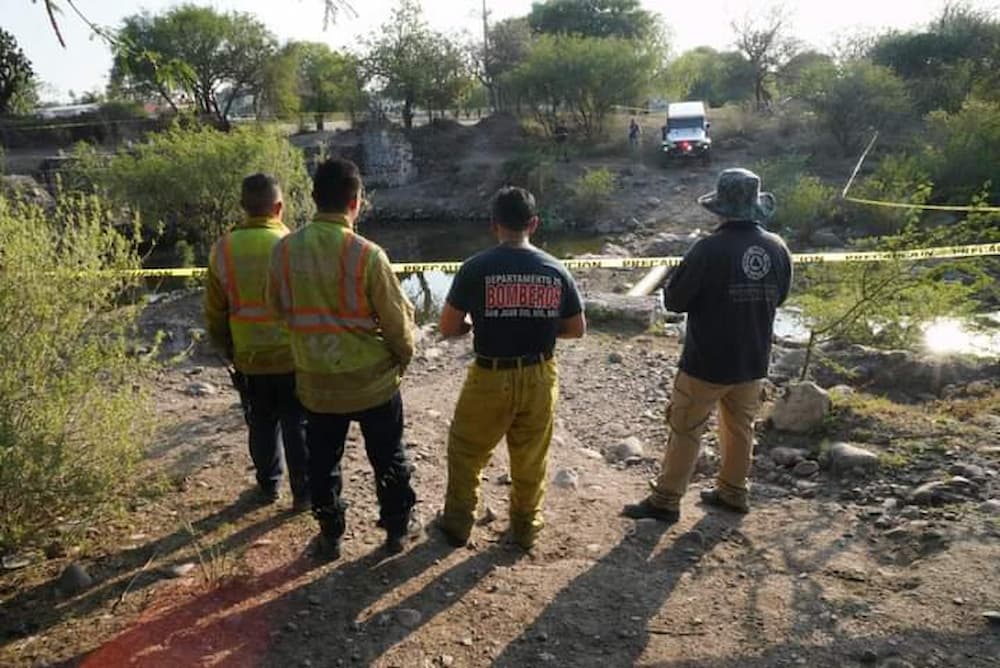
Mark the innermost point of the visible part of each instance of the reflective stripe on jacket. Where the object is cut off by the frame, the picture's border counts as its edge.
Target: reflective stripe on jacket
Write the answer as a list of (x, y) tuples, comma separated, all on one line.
[(235, 308), (351, 324)]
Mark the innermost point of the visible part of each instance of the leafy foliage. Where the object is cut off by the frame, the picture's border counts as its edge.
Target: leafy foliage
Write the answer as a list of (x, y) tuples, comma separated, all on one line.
[(591, 193), (193, 54), (764, 41), (584, 78), (706, 74), (328, 81), (189, 179), (853, 100), (508, 44), (595, 18), (963, 149), (72, 418), (17, 78)]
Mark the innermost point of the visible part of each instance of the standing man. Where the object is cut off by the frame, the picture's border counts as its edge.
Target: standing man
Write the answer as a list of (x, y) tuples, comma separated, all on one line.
[(730, 284), (352, 339), (520, 300), (257, 344), (634, 134)]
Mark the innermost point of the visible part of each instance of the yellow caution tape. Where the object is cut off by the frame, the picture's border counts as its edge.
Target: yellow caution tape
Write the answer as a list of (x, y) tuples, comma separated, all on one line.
[(922, 207), (940, 253)]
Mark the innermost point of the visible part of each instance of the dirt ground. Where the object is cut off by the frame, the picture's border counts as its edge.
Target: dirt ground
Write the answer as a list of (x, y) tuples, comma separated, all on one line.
[(823, 572)]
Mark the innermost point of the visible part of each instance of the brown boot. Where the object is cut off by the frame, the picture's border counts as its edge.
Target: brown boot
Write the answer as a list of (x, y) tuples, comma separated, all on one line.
[(719, 499), (646, 510)]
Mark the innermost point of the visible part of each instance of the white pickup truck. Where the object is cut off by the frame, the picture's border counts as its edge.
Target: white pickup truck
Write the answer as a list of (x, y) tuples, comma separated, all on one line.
[(686, 131)]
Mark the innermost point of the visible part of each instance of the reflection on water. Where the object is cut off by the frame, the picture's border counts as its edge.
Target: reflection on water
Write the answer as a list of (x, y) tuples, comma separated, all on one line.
[(979, 336)]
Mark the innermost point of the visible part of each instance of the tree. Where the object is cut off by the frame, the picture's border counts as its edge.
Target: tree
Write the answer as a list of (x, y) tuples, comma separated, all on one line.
[(853, 100), (944, 63), (962, 148), (584, 78), (397, 57), (415, 65), (193, 53), (17, 78), (763, 41), (279, 92), (593, 18), (328, 81), (706, 74), (507, 45)]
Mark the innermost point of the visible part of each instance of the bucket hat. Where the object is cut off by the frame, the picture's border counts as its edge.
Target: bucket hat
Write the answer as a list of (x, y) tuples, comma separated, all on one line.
[(737, 196)]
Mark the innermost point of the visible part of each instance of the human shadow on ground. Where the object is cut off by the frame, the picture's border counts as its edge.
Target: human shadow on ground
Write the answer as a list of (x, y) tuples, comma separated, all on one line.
[(129, 571), (602, 618), (238, 624)]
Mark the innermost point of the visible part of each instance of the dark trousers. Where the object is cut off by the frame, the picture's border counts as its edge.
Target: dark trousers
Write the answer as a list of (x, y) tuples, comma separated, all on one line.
[(270, 409), (382, 427)]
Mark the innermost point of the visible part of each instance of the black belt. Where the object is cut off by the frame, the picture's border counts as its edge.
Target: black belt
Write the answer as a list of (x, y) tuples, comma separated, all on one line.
[(512, 362)]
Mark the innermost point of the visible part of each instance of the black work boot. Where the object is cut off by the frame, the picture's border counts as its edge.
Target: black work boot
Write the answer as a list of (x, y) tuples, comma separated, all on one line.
[(646, 510), (401, 535), (331, 529)]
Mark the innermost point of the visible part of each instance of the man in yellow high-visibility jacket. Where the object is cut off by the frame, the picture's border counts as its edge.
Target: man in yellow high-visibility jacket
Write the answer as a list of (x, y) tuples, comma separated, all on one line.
[(256, 343), (352, 338)]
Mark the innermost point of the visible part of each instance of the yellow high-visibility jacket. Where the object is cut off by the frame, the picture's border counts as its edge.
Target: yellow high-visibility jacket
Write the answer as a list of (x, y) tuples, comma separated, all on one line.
[(351, 323), (239, 321)]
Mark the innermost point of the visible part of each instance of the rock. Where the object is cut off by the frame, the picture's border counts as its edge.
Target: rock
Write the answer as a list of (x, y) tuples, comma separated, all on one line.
[(991, 507), (615, 358), (26, 189), (433, 353), (504, 479), (978, 388), (970, 471), (623, 310), (614, 250), (625, 450), (992, 616), (787, 456), (847, 458), (74, 579), (937, 492), (666, 244), (409, 617), (806, 469), (566, 479), (489, 516), (201, 389), (826, 238), (446, 660), (841, 391), (466, 642), (12, 562), (55, 550), (708, 460), (869, 656), (181, 570), (653, 202), (802, 408)]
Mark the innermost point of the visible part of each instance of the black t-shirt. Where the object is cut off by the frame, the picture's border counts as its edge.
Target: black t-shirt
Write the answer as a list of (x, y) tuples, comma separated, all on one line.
[(516, 296), (730, 284)]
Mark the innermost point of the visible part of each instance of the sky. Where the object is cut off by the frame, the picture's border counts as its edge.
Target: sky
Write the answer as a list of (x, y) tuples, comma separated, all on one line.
[(84, 64)]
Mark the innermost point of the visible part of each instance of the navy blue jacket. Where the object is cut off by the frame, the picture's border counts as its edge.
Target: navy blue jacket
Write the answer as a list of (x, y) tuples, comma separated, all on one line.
[(730, 284)]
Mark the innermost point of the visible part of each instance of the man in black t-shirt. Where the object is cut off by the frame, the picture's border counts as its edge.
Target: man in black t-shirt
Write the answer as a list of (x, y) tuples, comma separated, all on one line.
[(730, 284), (520, 301)]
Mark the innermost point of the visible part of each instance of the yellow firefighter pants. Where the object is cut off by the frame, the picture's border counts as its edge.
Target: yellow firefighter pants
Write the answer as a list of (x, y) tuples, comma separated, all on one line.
[(516, 403), (691, 405)]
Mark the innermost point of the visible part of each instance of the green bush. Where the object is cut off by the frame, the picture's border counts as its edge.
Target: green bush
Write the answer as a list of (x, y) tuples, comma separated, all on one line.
[(900, 178), (72, 416), (592, 191), (532, 170), (963, 149), (805, 203), (188, 180)]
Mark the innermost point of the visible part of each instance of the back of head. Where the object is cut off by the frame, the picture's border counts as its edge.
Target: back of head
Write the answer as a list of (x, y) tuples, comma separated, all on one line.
[(513, 208), (336, 184), (259, 194)]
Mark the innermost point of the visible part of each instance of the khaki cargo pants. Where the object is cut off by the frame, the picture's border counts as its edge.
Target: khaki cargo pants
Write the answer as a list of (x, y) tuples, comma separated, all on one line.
[(690, 407), (519, 404)]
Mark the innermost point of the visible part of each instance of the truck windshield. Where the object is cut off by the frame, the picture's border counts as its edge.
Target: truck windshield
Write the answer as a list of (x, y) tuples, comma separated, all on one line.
[(685, 123)]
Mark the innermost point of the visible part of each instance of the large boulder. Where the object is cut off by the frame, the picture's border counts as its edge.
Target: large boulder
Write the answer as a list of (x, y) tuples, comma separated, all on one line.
[(848, 458), (635, 311), (801, 408), (27, 189)]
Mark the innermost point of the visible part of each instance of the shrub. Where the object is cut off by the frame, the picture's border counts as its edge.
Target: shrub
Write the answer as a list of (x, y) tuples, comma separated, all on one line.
[(805, 203), (532, 170), (71, 415), (189, 179), (963, 150), (896, 179), (591, 193)]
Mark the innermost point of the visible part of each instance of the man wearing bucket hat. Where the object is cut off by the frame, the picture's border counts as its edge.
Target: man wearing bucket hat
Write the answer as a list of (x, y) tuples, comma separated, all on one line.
[(730, 284)]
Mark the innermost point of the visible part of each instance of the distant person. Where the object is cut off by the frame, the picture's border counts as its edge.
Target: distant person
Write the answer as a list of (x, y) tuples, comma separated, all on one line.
[(634, 134), (730, 284), (520, 300), (255, 343), (352, 336), (561, 135)]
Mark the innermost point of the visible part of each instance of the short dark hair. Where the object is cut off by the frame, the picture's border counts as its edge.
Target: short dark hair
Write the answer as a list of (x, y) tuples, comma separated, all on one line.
[(513, 208), (259, 194), (336, 183)]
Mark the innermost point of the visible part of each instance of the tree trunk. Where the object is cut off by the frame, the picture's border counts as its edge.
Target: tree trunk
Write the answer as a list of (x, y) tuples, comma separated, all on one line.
[(320, 126), (408, 113)]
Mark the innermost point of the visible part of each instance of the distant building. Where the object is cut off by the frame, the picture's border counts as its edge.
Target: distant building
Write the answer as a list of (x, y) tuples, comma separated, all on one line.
[(66, 110)]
